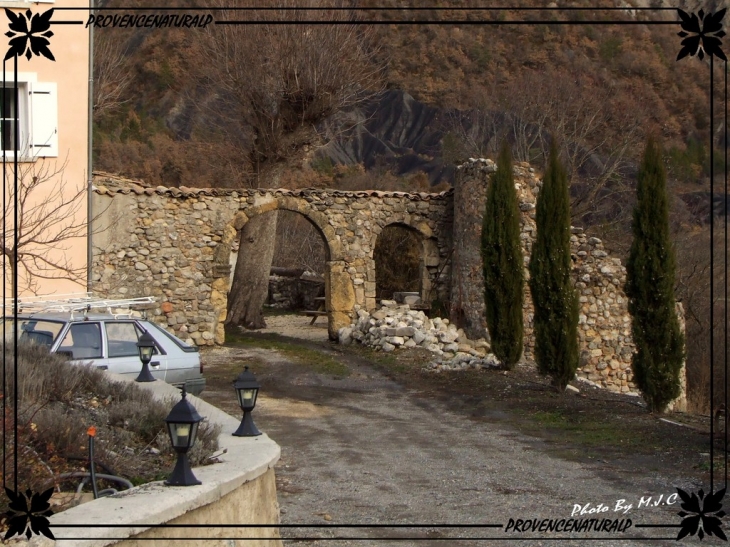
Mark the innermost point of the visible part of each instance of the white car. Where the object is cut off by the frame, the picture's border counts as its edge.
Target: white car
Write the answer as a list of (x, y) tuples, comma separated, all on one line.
[(110, 343)]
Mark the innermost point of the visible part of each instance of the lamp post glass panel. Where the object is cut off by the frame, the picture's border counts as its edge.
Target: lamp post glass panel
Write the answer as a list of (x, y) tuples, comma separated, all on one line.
[(146, 345), (182, 425), (247, 389)]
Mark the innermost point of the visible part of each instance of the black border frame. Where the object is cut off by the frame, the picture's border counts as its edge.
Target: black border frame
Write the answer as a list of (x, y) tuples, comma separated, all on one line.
[(391, 22)]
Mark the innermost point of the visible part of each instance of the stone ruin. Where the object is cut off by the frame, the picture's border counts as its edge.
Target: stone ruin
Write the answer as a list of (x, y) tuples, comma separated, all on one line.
[(176, 244), (604, 328)]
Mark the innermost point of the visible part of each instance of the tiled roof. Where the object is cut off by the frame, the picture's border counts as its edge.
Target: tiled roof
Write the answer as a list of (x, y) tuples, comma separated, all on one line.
[(107, 184)]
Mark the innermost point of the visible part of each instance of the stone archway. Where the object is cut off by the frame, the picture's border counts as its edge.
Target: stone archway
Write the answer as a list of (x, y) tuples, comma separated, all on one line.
[(339, 290), (428, 256)]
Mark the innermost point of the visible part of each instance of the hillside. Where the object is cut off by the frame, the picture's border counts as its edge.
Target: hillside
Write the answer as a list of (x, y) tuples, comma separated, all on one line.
[(161, 132)]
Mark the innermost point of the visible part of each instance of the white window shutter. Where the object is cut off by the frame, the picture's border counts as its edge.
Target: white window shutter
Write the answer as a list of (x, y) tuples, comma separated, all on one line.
[(44, 119)]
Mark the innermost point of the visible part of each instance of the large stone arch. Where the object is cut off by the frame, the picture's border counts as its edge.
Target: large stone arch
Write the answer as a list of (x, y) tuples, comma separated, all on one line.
[(429, 253), (339, 290)]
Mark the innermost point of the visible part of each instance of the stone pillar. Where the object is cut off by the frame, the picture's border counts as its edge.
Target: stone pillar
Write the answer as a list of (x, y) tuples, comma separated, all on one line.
[(467, 279), (340, 297)]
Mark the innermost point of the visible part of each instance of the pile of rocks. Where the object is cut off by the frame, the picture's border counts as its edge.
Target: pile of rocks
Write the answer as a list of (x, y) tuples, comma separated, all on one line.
[(394, 326)]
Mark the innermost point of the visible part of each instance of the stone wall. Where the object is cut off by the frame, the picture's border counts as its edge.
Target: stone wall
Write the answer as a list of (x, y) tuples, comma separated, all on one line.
[(176, 244), (604, 325), (294, 293)]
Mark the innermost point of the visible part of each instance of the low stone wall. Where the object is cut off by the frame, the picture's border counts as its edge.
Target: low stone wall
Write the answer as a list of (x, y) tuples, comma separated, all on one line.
[(294, 293), (241, 489)]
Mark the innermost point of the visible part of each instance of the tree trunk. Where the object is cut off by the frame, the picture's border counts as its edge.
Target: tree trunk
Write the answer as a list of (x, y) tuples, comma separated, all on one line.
[(250, 285)]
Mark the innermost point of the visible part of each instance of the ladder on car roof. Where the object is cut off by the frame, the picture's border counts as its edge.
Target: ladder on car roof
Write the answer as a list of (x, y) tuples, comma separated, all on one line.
[(76, 302)]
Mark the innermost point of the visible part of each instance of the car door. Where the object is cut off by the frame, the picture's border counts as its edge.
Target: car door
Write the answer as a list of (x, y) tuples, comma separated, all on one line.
[(82, 342), (122, 354)]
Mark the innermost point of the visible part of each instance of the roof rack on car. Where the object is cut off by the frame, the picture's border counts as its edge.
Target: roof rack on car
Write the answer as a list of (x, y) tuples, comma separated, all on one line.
[(75, 302)]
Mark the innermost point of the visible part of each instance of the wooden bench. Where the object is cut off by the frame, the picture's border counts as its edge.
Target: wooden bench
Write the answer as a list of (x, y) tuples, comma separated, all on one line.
[(313, 314)]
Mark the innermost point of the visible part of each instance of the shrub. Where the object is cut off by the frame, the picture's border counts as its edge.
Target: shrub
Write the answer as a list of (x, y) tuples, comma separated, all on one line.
[(650, 272), (553, 295), (503, 263), (57, 403)]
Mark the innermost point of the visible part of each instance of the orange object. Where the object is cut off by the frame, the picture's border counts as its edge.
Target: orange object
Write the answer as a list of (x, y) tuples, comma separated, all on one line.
[(91, 431)]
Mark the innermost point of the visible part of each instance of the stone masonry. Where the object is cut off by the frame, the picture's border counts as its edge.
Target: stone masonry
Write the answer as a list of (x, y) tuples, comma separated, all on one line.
[(175, 244), (604, 328)]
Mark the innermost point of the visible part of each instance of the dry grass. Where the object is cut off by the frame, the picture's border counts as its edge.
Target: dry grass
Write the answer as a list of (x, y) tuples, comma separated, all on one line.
[(57, 404)]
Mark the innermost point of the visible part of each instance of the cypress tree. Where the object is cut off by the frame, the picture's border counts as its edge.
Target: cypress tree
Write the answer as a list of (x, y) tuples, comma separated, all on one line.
[(650, 272), (503, 263), (553, 295)]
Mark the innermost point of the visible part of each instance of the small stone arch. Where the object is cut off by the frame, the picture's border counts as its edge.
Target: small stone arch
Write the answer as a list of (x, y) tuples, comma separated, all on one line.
[(429, 256), (339, 290)]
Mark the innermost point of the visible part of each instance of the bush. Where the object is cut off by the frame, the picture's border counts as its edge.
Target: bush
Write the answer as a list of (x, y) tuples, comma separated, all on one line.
[(650, 277), (503, 264), (58, 402), (553, 295)]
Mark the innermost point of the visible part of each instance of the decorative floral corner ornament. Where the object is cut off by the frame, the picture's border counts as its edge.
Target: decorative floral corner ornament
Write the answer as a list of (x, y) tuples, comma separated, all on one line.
[(706, 39), (38, 34), (711, 524), (29, 520)]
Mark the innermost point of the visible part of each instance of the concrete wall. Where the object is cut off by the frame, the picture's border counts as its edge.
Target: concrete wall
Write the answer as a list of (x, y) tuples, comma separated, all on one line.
[(252, 502), (241, 489)]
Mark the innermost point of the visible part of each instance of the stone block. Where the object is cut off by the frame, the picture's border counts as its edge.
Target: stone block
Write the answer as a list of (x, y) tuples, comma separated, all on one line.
[(341, 291), (337, 320)]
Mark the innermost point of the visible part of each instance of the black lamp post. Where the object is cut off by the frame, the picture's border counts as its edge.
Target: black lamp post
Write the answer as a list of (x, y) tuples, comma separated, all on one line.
[(146, 345), (182, 425), (247, 389)]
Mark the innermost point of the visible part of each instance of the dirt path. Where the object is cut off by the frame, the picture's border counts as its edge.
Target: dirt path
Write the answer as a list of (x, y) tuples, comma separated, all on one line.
[(360, 448)]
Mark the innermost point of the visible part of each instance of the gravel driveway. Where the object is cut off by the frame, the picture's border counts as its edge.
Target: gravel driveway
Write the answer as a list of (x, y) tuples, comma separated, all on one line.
[(365, 450)]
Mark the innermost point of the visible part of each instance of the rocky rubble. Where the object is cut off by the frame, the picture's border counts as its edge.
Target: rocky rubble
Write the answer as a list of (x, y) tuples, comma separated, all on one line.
[(396, 325)]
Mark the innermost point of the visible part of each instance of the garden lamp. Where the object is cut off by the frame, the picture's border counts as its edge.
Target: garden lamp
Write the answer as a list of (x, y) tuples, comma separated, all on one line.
[(247, 389), (182, 425), (145, 345)]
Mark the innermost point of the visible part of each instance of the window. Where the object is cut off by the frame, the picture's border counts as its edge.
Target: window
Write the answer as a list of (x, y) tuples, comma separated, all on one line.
[(9, 116), (122, 339), (35, 112), (84, 340), (34, 330)]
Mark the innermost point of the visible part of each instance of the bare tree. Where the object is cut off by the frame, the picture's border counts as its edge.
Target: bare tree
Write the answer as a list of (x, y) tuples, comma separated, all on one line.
[(270, 85), (599, 133), (49, 219), (693, 290), (299, 244), (111, 72)]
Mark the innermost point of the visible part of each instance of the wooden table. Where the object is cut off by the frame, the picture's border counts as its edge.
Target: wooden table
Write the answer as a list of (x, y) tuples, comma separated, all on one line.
[(314, 314)]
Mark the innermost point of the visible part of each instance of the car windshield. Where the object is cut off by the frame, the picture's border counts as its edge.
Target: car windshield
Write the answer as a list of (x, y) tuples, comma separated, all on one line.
[(40, 331)]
